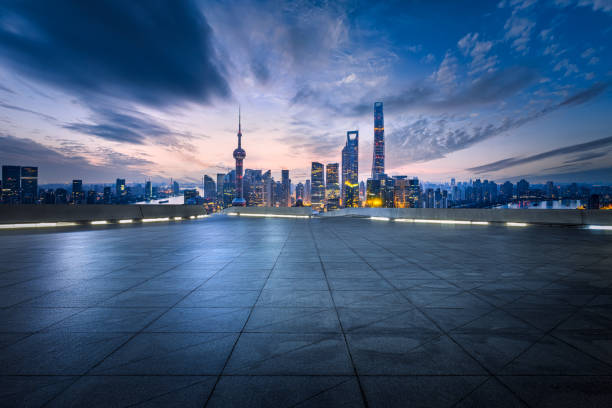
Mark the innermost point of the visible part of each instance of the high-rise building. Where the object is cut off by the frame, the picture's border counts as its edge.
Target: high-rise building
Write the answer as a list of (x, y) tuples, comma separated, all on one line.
[(268, 187), (229, 190), (239, 155), (550, 190), (299, 192), (332, 187), (77, 191), (61, 196), (220, 177), (11, 184), (121, 191), (378, 160), (317, 196), (285, 200), (176, 190), (414, 193), (307, 192), (29, 185), (350, 170), (108, 197), (507, 190), (522, 189), (92, 197), (253, 186), (210, 189), (148, 190)]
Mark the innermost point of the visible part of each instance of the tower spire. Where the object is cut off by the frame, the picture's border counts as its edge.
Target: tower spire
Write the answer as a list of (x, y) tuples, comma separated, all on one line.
[(239, 129)]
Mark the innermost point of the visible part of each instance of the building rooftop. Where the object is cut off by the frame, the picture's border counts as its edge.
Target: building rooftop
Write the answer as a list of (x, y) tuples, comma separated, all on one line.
[(247, 312)]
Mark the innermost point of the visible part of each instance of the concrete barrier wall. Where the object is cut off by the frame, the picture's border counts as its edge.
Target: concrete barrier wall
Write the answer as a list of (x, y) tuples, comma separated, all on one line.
[(549, 217), (19, 214), (300, 211)]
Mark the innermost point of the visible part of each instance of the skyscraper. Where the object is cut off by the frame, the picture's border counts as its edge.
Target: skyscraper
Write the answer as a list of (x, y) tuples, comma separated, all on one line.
[(350, 170), (11, 184), (317, 196), (286, 197), (120, 191), (176, 190), (77, 191), (210, 189), (332, 187), (148, 190), (307, 192), (29, 185), (239, 155), (299, 192), (220, 177), (378, 159)]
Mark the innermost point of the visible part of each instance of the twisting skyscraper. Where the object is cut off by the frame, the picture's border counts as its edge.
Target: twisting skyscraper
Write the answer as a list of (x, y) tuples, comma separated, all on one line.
[(378, 159), (239, 155), (350, 170)]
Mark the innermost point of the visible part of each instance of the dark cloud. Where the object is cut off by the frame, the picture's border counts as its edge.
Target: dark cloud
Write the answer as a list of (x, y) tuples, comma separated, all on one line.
[(427, 139), (489, 88), (20, 109), (150, 51), (587, 157), (69, 162), (133, 128), (515, 161)]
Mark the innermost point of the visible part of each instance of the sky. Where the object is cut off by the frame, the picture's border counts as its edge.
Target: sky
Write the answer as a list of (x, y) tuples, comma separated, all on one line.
[(150, 89)]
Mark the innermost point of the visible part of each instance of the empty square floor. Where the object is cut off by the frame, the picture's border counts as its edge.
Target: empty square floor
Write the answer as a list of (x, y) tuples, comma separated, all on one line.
[(339, 312)]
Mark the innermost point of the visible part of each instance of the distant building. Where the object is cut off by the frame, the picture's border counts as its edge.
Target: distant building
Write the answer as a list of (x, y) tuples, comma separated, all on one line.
[(220, 177), (61, 196), (210, 188), (378, 160), (522, 189), (29, 185), (176, 188), (299, 192), (239, 156), (307, 189), (285, 200), (77, 192), (108, 196), (11, 184), (507, 190), (332, 187), (92, 197), (317, 196), (148, 190), (350, 170), (121, 191), (190, 196)]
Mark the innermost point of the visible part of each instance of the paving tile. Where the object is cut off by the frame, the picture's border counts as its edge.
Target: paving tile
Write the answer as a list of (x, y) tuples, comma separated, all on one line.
[(293, 320), (31, 391), (204, 319), (290, 354), (294, 391)]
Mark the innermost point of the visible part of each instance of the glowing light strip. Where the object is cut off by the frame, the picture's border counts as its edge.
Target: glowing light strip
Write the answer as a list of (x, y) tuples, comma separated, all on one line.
[(600, 227), (270, 215), (126, 221), (463, 222), (380, 218), (516, 224), (38, 225), (202, 216), (177, 218), (99, 222), (155, 219)]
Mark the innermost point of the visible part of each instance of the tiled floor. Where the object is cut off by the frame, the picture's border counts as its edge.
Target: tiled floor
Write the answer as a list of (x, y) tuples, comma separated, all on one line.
[(343, 312)]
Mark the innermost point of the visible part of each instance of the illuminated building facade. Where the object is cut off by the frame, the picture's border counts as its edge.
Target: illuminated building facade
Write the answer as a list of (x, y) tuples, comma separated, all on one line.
[(120, 191), (317, 196), (332, 187), (11, 184), (299, 192), (285, 199), (29, 185), (239, 155), (378, 159), (77, 191), (209, 187), (350, 170)]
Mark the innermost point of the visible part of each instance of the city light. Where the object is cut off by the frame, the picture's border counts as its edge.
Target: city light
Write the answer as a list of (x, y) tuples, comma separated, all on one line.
[(462, 222), (126, 221), (380, 218), (269, 215), (516, 224), (99, 222), (38, 225), (155, 219), (600, 227), (177, 218)]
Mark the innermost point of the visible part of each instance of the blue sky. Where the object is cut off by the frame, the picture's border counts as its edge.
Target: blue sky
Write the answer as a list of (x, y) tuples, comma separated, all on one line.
[(151, 88)]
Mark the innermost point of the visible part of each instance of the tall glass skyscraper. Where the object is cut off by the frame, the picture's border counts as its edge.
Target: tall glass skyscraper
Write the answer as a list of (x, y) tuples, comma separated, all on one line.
[(378, 160), (317, 196), (350, 170), (332, 187)]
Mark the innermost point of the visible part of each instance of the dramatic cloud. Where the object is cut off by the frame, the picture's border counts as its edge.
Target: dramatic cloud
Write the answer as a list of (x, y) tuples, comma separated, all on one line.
[(153, 52), (68, 161), (514, 161), (427, 139)]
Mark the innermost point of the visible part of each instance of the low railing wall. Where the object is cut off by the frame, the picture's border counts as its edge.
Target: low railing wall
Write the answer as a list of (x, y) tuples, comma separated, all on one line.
[(19, 214), (269, 211), (547, 217)]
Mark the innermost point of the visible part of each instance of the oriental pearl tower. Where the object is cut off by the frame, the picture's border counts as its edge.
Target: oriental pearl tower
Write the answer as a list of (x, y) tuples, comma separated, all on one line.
[(239, 155)]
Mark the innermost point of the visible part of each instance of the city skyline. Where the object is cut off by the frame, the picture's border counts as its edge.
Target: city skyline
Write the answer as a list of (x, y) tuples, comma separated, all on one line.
[(525, 96)]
